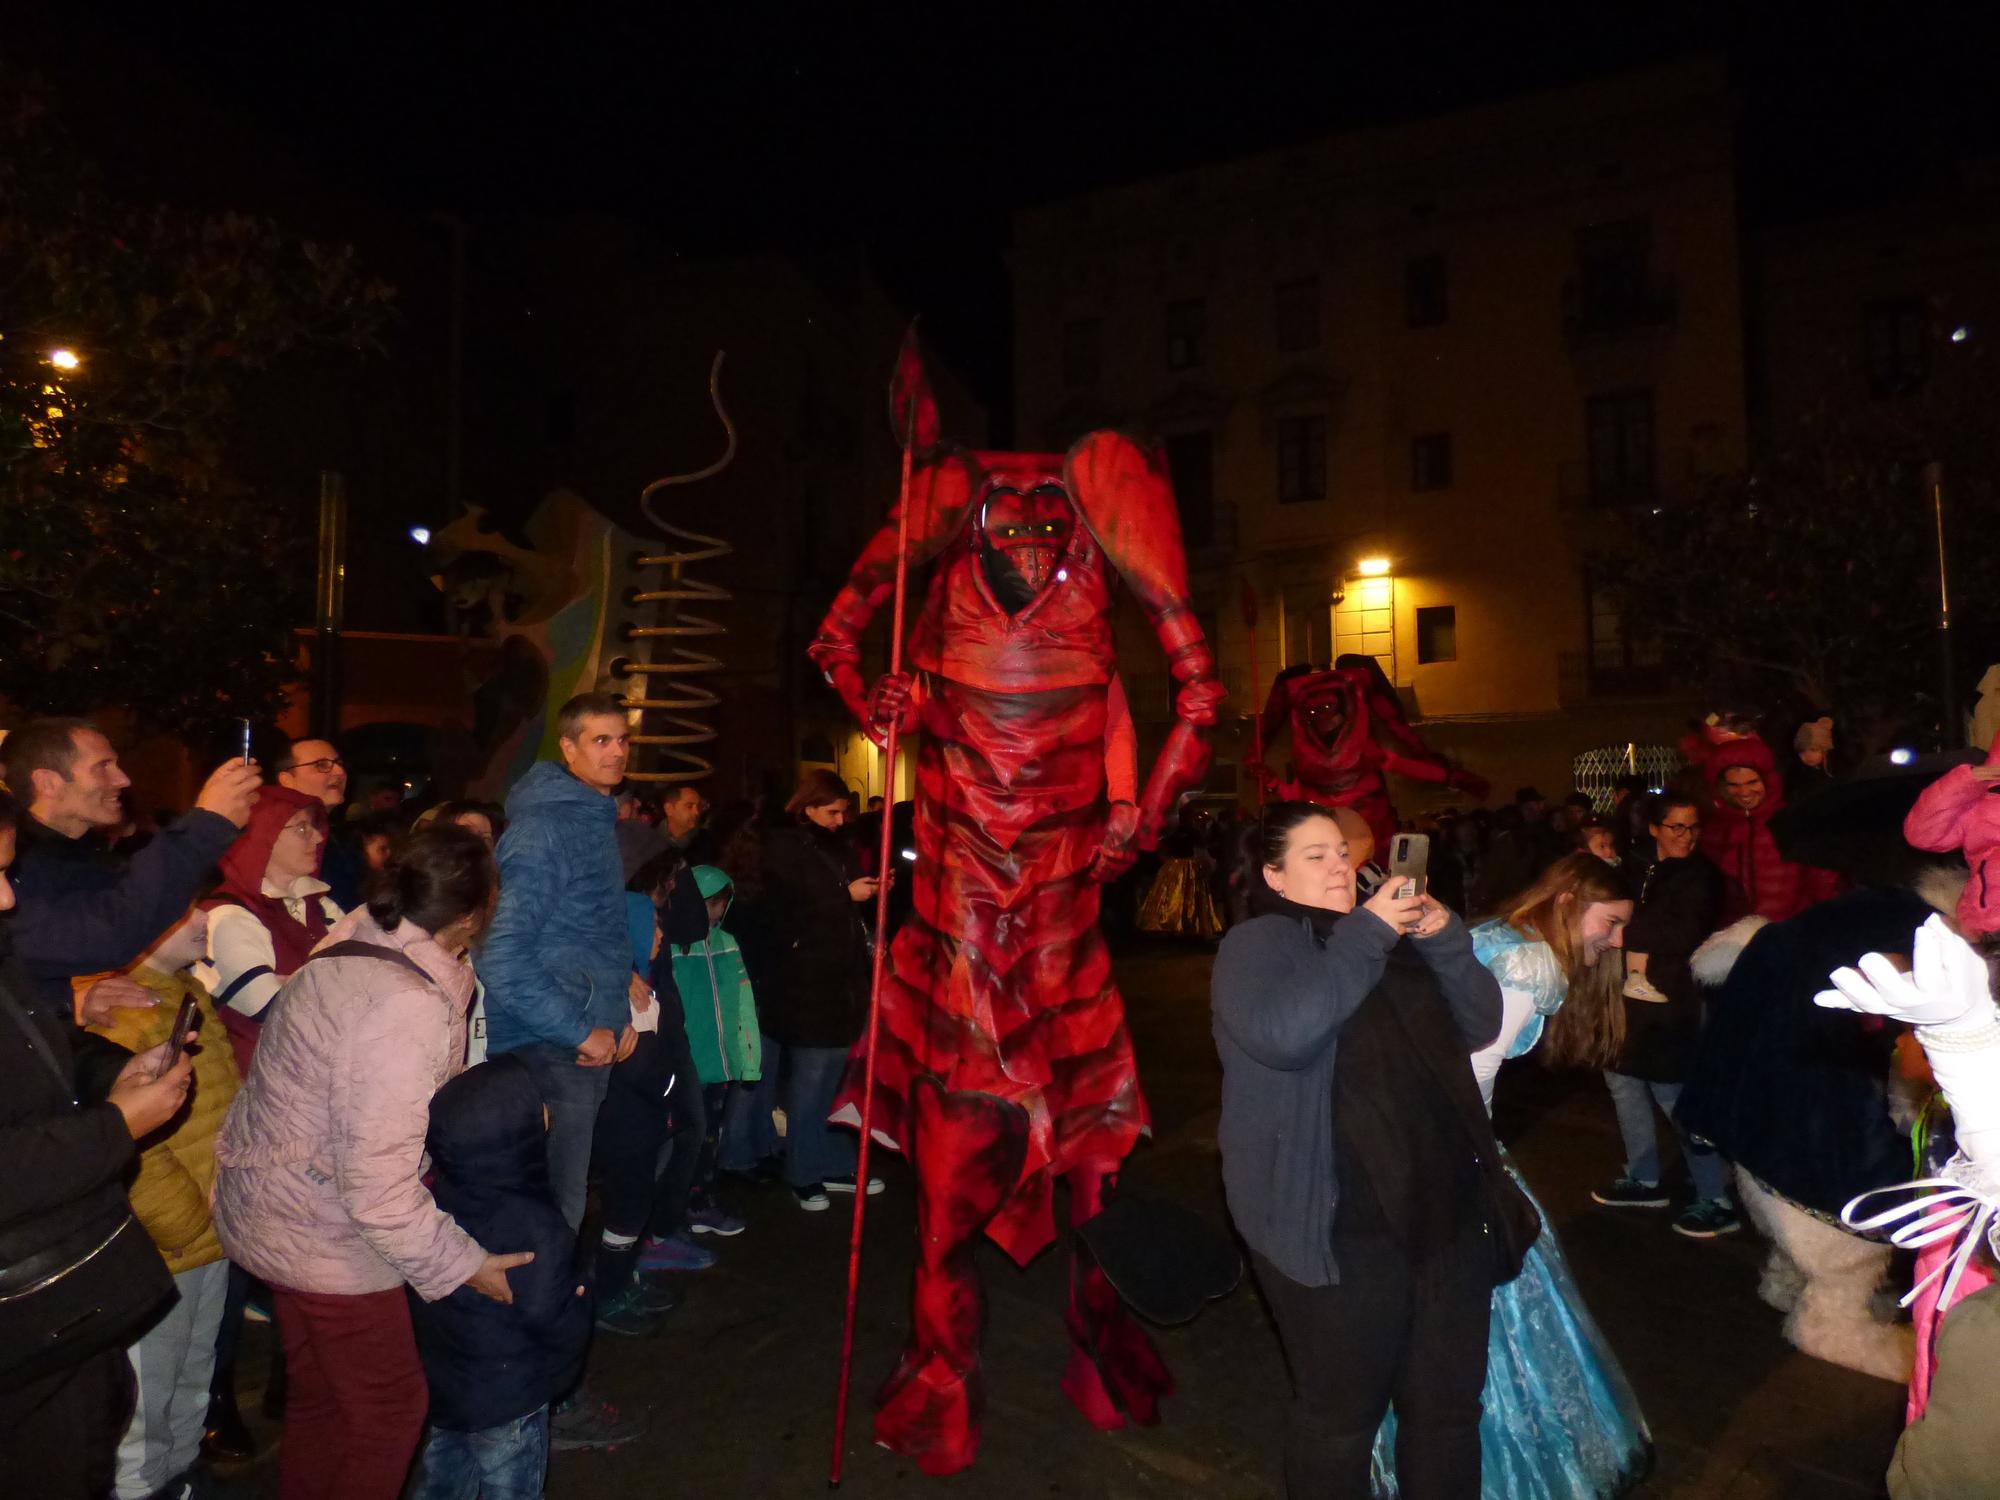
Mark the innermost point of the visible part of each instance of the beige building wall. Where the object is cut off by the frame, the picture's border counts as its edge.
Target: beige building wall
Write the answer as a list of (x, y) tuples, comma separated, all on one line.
[(1528, 207)]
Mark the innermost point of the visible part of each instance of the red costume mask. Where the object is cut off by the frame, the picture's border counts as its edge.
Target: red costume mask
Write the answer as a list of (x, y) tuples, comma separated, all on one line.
[(1022, 537)]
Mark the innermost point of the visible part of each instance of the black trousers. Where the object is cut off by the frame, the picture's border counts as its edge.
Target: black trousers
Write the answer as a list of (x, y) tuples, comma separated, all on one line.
[(59, 1436), (1384, 1336)]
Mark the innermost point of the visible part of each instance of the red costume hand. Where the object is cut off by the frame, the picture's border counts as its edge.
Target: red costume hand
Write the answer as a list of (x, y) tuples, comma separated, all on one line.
[(889, 702), (1198, 701), (1120, 845), (1182, 766)]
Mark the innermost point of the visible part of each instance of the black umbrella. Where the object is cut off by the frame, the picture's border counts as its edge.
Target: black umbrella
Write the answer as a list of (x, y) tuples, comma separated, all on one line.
[(1856, 826)]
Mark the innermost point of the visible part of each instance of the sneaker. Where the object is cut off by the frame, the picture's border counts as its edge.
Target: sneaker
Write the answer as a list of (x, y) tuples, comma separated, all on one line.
[(1639, 987), (675, 1252), (627, 1316), (1707, 1219), (1629, 1192), (711, 1218), (653, 1294), (845, 1184), (812, 1199), (586, 1422)]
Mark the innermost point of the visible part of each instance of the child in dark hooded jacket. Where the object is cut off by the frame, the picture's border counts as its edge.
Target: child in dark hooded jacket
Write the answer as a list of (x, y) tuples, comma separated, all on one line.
[(493, 1367)]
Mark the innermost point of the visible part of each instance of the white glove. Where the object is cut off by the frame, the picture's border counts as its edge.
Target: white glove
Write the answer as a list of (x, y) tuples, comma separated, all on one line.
[(1947, 988)]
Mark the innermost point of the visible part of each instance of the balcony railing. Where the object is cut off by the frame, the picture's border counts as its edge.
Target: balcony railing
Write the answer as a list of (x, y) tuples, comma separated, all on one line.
[(1600, 314)]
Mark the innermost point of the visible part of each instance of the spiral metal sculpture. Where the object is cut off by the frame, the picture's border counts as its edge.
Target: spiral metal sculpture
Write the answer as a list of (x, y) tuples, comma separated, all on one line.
[(668, 687)]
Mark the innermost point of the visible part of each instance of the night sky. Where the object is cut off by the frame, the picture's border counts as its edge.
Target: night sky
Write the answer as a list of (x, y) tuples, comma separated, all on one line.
[(915, 129)]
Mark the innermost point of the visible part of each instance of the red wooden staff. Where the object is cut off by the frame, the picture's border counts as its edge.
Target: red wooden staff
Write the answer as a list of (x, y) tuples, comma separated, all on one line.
[(886, 871)]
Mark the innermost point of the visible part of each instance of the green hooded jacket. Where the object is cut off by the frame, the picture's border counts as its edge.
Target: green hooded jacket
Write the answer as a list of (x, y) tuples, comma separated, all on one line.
[(716, 997)]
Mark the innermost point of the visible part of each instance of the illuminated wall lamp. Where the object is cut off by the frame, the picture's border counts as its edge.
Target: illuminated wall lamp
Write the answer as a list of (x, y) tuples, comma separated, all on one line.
[(1372, 567)]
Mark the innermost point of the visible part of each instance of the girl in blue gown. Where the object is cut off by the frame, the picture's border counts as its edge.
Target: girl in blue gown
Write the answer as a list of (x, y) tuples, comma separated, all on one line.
[(1560, 1421)]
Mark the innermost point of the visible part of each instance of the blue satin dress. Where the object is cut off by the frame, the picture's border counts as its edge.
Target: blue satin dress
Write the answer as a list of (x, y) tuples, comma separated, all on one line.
[(1560, 1421)]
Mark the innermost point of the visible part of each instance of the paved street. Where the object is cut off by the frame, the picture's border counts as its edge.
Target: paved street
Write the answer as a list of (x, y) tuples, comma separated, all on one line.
[(740, 1384)]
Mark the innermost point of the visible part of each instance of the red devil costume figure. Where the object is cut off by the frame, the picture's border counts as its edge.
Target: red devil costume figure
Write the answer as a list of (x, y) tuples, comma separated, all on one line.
[(1003, 1061), (1347, 728)]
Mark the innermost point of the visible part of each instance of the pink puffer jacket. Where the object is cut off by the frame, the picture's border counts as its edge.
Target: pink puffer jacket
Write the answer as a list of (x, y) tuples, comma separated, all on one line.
[(318, 1188)]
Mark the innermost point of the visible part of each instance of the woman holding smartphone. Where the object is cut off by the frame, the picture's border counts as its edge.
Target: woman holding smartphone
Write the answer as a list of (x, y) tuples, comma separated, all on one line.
[(1358, 1160)]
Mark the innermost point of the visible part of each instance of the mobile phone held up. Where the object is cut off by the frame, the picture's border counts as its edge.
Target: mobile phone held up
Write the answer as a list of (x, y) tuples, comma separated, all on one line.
[(186, 1019), (245, 724), (1409, 864)]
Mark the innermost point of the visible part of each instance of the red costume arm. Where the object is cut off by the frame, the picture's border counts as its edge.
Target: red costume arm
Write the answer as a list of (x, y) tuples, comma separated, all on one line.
[(1125, 499), (940, 495), (1121, 745)]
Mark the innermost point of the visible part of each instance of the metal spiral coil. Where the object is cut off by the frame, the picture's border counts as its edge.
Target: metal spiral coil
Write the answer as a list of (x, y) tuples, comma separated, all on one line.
[(668, 687)]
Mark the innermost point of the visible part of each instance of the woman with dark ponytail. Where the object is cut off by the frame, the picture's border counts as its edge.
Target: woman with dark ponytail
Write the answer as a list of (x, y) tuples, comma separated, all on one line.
[(1358, 1160), (317, 1188)]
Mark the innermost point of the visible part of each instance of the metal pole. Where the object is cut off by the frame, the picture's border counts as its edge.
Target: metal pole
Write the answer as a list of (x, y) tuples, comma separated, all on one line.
[(455, 388), (1952, 731), (329, 604), (885, 868)]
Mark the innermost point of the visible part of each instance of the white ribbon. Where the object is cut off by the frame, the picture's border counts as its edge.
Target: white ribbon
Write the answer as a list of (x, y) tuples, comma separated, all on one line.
[(1940, 1210)]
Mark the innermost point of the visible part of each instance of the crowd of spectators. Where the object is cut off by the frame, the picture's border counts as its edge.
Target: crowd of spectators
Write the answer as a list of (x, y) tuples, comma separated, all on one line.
[(444, 1092)]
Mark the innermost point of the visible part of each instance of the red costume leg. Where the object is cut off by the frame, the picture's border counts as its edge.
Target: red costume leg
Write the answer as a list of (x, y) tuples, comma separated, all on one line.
[(968, 1151), (1115, 1374)]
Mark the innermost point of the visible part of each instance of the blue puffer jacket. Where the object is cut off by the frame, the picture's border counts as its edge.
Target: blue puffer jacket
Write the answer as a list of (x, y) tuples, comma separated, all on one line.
[(556, 961)]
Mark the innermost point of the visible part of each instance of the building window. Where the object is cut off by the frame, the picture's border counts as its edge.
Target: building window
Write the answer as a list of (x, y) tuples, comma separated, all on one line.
[(1614, 275), (1437, 634), (1426, 293), (1301, 459), (1620, 434), (1185, 324), (1082, 352), (1296, 307), (1430, 461), (1621, 660), (1897, 348), (1191, 464)]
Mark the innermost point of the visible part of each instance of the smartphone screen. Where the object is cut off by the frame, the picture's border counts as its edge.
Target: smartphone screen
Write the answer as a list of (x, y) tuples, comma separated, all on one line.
[(186, 1019), (1409, 863)]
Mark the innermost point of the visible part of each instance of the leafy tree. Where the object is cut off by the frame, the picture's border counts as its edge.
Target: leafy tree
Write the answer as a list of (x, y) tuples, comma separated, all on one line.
[(1809, 582), (140, 566)]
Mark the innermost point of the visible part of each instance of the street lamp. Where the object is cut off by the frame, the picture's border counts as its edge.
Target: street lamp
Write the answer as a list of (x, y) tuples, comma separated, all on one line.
[(1372, 567), (64, 359)]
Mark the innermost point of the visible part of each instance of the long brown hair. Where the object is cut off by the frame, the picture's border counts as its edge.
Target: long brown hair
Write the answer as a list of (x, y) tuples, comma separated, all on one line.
[(1589, 1030)]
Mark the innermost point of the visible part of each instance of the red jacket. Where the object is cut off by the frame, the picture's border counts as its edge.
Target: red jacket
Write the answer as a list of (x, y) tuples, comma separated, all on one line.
[(1764, 883)]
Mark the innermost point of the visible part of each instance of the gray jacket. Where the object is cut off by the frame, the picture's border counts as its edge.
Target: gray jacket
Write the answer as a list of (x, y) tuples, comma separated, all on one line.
[(1279, 999)]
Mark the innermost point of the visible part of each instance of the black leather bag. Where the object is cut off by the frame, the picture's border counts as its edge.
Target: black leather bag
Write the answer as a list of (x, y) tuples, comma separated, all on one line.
[(86, 1285), (91, 1290)]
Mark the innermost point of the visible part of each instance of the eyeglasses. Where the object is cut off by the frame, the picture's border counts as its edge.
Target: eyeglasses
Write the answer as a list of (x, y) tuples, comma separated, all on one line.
[(330, 763), (1680, 828), (303, 830)]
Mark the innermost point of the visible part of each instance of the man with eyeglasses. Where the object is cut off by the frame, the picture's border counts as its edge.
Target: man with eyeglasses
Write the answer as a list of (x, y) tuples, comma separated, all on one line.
[(315, 768), (1680, 903)]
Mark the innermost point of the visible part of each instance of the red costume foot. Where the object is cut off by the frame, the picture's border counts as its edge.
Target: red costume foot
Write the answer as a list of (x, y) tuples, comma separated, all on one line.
[(1115, 1375), (968, 1150)]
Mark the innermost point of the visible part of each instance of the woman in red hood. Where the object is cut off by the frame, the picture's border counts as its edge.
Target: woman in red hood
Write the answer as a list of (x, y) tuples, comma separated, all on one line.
[(1737, 836), (269, 913)]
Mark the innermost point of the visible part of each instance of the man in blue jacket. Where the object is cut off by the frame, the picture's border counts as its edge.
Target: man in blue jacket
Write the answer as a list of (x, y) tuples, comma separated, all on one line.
[(82, 911), (557, 963)]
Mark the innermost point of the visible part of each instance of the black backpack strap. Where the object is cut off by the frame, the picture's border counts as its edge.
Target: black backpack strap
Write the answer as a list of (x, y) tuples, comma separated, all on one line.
[(352, 948)]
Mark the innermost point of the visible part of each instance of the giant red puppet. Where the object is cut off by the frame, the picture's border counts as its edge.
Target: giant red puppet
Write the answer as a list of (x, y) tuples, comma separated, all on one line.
[(1347, 728), (1003, 1059)]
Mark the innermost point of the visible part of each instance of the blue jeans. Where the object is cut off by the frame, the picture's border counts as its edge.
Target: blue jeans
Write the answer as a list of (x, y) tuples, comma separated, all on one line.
[(573, 1095), (748, 1133), (1634, 1098), (508, 1462), (814, 1150)]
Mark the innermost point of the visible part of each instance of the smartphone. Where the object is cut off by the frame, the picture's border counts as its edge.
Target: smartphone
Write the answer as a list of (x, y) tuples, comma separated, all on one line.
[(246, 737), (1409, 863), (186, 1019)]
